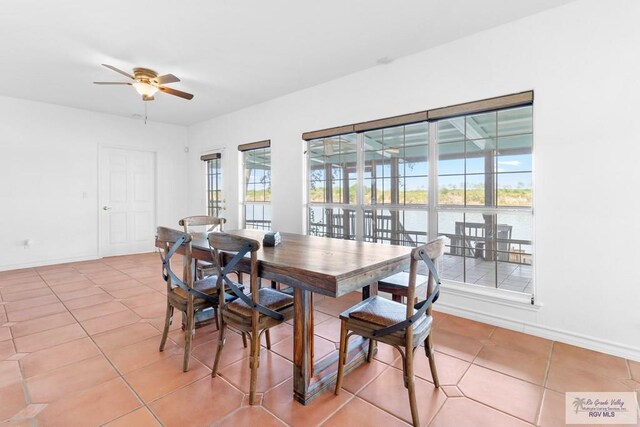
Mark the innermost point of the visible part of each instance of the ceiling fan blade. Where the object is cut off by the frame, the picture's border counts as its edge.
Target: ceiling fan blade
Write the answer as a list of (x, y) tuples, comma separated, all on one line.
[(124, 73), (167, 78), (175, 92), (112, 83)]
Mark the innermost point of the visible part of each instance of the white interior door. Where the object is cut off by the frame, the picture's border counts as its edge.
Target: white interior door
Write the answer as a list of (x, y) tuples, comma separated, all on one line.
[(127, 210)]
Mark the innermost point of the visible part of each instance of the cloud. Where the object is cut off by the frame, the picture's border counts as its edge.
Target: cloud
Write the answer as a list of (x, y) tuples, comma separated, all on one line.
[(509, 162)]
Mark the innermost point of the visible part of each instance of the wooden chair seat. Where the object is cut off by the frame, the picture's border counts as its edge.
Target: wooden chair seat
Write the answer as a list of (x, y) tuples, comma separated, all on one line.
[(179, 298), (398, 284), (270, 298), (206, 286), (377, 312)]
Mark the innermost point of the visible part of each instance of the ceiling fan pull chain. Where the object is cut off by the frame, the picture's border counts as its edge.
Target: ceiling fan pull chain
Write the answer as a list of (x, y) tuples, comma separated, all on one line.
[(145, 113)]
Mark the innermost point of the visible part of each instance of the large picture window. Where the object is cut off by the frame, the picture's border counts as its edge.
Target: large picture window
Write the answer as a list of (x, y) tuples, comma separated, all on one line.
[(484, 199), (395, 184), (257, 185), (332, 186), (465, 176)]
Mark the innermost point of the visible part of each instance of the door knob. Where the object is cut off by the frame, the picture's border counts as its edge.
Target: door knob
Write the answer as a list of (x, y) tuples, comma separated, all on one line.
[(106, 208)]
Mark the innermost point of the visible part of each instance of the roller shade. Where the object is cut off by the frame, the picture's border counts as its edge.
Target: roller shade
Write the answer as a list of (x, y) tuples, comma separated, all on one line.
[(255, 145), (211, 156), (490, 104)]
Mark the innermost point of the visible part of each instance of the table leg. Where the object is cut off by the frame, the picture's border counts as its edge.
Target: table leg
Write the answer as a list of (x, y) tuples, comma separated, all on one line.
[(310, 378), (302, 343)]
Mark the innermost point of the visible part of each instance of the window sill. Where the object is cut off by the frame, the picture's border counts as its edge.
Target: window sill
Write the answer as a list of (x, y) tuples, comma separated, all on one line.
[(496, 296)]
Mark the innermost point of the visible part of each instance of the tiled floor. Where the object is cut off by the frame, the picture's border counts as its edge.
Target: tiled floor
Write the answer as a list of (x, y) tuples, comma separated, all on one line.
[(79, 346)]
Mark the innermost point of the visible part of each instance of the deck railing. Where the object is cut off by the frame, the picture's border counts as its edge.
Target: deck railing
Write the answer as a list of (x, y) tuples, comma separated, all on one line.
[(260, 224), (469, 239)]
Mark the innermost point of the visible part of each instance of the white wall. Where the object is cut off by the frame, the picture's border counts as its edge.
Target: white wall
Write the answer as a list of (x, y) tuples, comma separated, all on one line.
[(49, 158), (581, 60)]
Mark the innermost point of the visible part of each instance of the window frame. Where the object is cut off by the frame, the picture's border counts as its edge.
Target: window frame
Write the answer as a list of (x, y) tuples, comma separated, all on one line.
[(493, 212), (433, 209), (262, 223), (213, 208)]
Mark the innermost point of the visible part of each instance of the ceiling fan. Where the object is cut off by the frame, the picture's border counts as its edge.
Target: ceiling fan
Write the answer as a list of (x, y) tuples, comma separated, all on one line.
[(147, 83)]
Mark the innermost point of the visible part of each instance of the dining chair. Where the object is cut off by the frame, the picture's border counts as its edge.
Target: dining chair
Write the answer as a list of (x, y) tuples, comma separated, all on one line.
[(185, 294), (402, 326), (203, 224), (252, 313)]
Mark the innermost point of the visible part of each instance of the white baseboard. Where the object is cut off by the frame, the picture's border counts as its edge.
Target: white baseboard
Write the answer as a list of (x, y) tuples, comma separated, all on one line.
[(555, 334), (580, 340), (43, 263)]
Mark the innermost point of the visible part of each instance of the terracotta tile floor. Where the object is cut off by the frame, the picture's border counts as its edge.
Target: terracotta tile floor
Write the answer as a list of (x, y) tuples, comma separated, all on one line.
[(79, 346)]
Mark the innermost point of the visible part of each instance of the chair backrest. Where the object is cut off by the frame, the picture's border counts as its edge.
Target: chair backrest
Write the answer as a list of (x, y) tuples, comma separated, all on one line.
[(205, 222), (168, 237), (224, 242), (429, 251), (432, 250)]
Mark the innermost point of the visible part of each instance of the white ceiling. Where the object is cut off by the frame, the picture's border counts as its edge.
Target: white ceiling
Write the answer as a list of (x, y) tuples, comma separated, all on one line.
[(229, 53)]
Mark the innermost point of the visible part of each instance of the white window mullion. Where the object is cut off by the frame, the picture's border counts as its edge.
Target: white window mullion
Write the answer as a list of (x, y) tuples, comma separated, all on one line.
[(432, 229), (307, 186), (359, 208)]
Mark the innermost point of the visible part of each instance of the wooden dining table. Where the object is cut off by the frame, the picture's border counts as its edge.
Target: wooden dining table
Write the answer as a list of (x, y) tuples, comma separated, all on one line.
[(331, 267)]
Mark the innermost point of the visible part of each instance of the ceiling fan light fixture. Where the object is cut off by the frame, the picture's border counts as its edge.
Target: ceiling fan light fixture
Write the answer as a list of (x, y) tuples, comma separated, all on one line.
[(145, 89), (147, 83)]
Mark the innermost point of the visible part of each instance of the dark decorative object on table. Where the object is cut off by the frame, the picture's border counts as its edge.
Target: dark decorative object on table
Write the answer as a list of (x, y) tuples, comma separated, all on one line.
[(272, 238)]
